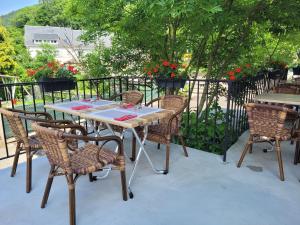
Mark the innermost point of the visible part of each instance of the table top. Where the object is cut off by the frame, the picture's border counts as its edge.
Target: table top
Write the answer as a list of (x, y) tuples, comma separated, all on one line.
[(107, 111), (288, 99)]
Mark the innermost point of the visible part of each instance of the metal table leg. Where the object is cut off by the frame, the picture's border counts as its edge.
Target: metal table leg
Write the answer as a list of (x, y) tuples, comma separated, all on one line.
[(141, 149)]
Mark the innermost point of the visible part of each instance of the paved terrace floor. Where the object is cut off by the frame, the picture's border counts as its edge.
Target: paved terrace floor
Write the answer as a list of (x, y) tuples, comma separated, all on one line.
[(198, 190)]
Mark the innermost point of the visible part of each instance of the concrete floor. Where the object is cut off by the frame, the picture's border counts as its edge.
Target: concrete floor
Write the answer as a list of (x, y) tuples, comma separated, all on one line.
[(198, 190)]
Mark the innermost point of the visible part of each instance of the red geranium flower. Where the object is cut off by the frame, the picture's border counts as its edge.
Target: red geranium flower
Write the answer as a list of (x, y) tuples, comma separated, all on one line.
[(173, 75), (50, 64), (155, 70), (75, 71), (238, 70), (70, 68), (232, 77), (149, 73), (165, 63), (173, 66), (31, 72), (231, 73)]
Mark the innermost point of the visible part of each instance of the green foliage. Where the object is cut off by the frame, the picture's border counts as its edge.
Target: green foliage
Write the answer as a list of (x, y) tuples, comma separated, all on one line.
[(219, 34), (7, 53), (96, 63), (45, 55), (207, 133)]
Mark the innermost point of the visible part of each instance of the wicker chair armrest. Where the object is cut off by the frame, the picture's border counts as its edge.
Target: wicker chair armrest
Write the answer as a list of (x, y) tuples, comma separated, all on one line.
[(62, 125), (152, 101), (105, 140), (174, 116), (113, 97), (37, 114), (36, 119)]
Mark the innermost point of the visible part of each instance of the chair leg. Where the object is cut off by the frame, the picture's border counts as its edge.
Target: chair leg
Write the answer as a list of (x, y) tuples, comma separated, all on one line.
[(91, 177), (16, 159), (158, 145), (72, 204), (297, 152), (279, 158), (247, 146), (28, 171), (133, 150), (124, 186), (48, 187), (167, 157), (183, 145)]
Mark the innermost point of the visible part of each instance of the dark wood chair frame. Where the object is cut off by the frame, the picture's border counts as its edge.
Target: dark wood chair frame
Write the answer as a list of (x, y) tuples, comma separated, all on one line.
[(72, 177), (22, 141), (169, 134)]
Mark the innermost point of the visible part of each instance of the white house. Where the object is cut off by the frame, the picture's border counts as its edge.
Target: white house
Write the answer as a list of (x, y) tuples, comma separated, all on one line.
[(67, 41)]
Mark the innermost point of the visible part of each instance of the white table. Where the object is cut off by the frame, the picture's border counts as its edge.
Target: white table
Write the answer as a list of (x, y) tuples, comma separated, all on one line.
[(105, 112), (288, 99)]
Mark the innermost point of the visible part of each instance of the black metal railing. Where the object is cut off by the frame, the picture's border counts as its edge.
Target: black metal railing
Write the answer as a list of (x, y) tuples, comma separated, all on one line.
[(213, 120)]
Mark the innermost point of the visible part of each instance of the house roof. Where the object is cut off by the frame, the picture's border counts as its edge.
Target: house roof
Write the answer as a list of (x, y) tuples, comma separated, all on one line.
[(65, 37)]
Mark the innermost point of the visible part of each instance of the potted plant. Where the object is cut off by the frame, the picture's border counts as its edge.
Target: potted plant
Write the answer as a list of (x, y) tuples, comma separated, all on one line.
[(54, 77), (240, 79), (166, 74)]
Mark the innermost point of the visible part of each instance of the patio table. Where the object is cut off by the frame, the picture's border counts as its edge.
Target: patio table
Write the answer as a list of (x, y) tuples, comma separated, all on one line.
[(288, 99), (107, 111)]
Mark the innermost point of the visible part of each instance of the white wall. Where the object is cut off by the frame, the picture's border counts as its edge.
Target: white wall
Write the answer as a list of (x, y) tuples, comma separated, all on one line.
[(63, 54)]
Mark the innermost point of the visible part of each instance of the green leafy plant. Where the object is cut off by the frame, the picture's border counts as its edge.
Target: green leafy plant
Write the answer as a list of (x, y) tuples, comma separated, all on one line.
[(207, 132)]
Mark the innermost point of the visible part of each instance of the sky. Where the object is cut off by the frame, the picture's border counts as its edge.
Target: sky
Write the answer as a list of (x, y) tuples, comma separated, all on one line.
[(7, 6)]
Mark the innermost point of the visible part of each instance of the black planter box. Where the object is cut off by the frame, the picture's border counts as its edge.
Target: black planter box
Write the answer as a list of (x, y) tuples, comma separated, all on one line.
[(56, 84), (296, 70), (170, 83)]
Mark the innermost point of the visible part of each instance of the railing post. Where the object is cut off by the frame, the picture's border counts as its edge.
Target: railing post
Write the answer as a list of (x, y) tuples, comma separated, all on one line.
[(226, 137)]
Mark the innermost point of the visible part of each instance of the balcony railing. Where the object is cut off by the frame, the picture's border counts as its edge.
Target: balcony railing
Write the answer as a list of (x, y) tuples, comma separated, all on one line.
[(213, 120)]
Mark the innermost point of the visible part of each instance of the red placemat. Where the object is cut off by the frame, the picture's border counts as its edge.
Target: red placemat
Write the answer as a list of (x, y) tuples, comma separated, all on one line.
[(81, 107), (126, 117)]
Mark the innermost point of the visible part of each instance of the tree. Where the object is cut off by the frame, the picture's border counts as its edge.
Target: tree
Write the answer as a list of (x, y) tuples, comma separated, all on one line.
[(7, 53)]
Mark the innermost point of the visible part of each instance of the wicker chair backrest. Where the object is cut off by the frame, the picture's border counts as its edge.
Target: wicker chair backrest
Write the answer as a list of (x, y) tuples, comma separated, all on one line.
[(266, 120), (54, 145), (16, 125), (133, 97)]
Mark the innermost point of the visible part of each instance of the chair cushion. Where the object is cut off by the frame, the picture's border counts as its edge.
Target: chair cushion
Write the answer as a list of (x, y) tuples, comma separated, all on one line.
[(86, 160)]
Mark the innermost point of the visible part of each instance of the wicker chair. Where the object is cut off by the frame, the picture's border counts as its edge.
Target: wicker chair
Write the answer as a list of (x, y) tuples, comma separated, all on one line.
[(286, 89), (130, 97), (72, 164), (162, 132), (29, 144), (267, 121)]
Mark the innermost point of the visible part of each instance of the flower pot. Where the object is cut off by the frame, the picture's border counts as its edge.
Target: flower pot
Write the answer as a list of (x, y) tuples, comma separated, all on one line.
[(296, 70), (56, 84), (170, 82)]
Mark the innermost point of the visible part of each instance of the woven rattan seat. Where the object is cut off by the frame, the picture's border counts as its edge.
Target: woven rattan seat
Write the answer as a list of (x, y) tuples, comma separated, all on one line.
[(267, 121), (87, 160)]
